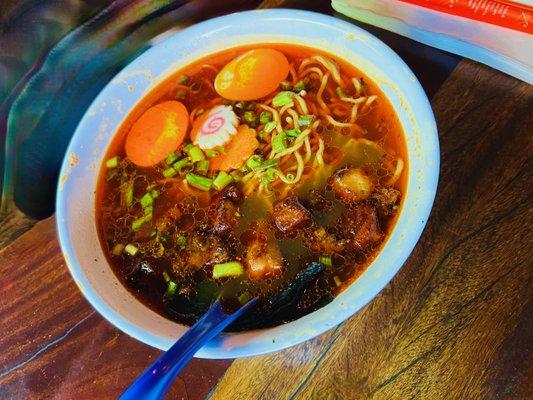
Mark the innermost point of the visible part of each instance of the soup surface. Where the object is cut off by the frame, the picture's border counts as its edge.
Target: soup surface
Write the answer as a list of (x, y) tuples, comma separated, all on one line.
[(268, 171)]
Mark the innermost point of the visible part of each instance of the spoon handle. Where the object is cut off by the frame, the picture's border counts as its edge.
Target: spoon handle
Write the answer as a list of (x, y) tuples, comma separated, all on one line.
[(157, 378)]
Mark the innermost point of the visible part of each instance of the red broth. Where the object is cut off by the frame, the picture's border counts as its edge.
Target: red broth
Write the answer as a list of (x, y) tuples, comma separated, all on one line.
[(295, 233)]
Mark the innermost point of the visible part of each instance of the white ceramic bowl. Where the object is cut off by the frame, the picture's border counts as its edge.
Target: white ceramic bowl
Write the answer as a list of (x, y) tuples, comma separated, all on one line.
[(75, 196)]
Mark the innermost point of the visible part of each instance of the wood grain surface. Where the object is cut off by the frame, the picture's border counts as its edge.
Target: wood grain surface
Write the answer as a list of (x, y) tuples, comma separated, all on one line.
[(54, 345), (456, 322)]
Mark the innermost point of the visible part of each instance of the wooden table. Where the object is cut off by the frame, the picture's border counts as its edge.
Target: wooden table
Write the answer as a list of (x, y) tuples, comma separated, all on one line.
[(455, 323)]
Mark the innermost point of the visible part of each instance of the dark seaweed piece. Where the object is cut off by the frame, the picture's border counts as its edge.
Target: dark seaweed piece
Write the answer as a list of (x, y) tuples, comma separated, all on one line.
[(283, 307)]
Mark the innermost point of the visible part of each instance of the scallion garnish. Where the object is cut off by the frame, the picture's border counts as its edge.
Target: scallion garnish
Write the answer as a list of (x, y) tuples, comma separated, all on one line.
[(131, 249), (249, 118), (171, 158), (283, 99), (127, 193), (178, 165), (222, 180), (154, 193), (326, 260), (180, 94), (254, 161), (292, 132), (278, 142), (305, 120), (265, 117), (112, 162), (169, 172), (146, 200), (195, 154), (183, 79), (232, 268), (199, 182), (209, 153), (171, 289), (202, 166), (299, 86), (181, 241), (270, 126)]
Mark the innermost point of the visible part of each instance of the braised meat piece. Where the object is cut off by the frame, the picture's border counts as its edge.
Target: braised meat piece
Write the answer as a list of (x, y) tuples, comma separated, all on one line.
[(206, 249), (289, 215), (324, 242), (231, 193), (351, 185), (263, 260), (386, 200), (224, 217), (360, 227)]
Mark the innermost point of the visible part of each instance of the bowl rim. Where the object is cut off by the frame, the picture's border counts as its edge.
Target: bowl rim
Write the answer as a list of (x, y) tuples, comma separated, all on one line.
[(246, 343)]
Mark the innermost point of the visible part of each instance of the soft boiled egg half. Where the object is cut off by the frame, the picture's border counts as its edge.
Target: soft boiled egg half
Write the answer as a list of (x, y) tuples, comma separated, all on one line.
[(252, 75)]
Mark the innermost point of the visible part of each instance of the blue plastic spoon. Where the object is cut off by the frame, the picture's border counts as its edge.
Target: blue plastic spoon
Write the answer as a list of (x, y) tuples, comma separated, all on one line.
[(155, 381)]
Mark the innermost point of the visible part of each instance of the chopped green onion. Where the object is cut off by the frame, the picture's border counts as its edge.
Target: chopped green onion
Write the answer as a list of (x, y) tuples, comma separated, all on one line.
[(188, 147), (178, 165), (112, 162), (299, 86), (202, 166), (305, 120), (283, 99), (278, 143), (340, 92), (171, 289), (131, 249), (153, 233), (244, 298), (222, 180), (183, 79), (285, 85), (240, 105), (270, 126), (249, 117), (265, 117), (211, 153), (236, 175), (181, 241), (270, 175), (117, 249), (171, 158), (326, 260), (292, 132), (146, 200), (127, 193), (166, 276), (148, 210), (199, 182), (169, 172), (138, 223), (154, 193), (337, 280), (163, 240), (195, 154), (254, 161), (180, 94), (232, 268)]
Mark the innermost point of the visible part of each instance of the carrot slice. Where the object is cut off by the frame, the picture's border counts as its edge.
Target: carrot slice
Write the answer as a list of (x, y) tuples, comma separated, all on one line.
[(237, 151), (158, 132)]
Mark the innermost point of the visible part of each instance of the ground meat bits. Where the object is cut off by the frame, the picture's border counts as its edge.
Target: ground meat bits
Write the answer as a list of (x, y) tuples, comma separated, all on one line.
[(289, 215), (386, 200)]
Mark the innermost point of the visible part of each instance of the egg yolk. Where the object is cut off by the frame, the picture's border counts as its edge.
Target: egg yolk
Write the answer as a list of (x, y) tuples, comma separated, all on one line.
[(252, 75)]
